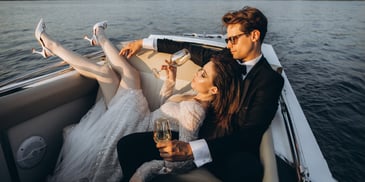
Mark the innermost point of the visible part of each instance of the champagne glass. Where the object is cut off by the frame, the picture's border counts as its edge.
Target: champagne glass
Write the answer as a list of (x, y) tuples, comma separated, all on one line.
[(177, 59), (162, 131)]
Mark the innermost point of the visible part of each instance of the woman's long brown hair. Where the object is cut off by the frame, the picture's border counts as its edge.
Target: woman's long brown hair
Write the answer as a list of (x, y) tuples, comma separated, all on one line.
[(224, 108)]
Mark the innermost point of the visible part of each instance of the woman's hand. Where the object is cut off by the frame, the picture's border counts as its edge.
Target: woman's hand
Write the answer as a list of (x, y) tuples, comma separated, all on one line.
[(131, 48), (175, 150), (170, 71)]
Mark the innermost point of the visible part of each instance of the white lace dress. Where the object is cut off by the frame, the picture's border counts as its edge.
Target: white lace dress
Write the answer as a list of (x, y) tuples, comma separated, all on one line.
[(89, 150)]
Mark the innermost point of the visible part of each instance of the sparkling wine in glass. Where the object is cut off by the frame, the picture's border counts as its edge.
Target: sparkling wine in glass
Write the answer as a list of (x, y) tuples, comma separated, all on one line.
[(162, 131), (177, 59)]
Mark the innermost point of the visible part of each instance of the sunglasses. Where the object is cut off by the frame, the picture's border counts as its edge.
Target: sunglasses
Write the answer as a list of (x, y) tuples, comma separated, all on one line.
[(233, 39)]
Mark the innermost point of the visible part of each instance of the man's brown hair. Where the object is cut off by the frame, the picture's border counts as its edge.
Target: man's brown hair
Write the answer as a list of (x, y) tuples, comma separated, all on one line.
[(249, 18)]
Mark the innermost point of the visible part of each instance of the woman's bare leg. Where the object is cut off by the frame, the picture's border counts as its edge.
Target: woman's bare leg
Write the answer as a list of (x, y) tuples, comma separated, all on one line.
[(130, 77), (106, 77)]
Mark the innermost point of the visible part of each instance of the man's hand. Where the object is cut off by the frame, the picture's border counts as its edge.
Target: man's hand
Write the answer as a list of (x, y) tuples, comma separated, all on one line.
[(130, 49), (175, 150)]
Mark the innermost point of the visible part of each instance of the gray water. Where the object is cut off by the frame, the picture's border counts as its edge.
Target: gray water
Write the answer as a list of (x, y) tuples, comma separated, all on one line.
[(321, 46)]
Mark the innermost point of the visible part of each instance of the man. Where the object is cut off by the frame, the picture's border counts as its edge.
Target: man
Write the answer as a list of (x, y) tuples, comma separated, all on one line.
[(233, 156)]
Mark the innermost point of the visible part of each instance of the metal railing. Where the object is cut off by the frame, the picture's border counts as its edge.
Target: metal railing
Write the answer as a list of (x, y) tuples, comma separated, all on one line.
[(40, 74), (301, 170)]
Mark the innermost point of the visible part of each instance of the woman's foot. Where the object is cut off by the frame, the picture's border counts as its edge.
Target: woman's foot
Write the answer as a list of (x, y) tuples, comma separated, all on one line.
[(94, 41), (38, 32)]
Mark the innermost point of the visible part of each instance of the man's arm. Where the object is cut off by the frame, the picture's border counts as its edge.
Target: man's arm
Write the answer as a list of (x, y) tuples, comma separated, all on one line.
[(199, 55)]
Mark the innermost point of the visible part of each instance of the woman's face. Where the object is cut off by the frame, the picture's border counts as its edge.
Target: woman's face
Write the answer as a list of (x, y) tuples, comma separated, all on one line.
[(203, 79)]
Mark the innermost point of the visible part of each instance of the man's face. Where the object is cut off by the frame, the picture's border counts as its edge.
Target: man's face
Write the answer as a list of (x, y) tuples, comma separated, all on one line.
[(240, 45)]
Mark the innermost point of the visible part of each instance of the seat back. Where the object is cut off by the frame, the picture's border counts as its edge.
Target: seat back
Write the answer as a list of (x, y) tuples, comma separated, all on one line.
[(267, 156), (145, 60), (267, 150)]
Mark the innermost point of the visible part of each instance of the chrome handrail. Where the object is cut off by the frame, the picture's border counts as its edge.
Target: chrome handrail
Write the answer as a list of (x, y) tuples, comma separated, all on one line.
[(204, 35), (301, 170), (28, 78), (34, 72), (17, 84)]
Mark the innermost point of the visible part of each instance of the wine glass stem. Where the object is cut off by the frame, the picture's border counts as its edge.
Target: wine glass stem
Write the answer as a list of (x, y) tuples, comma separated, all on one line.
[(165, 168)]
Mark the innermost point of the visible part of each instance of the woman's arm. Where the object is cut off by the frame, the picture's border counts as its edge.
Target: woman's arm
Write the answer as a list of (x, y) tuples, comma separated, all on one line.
[(192, 116), (168, 87)]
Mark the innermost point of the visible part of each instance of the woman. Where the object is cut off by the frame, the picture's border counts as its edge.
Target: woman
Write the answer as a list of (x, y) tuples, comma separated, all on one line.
[(89, 150)]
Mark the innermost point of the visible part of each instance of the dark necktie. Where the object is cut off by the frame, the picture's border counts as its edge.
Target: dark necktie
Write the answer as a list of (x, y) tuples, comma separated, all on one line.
[(243, 69)]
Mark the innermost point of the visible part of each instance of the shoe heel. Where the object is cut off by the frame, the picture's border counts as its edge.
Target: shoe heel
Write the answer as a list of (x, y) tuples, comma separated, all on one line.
[(88, 39), (37, 52), (91, 40), (41, 26), (45, 52)]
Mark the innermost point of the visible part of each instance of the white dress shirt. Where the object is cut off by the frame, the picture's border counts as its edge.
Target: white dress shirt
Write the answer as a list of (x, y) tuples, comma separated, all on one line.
[(149, 43)]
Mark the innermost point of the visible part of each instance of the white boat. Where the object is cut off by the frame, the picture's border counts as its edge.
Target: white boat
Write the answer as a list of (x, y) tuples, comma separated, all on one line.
[(33, 113)]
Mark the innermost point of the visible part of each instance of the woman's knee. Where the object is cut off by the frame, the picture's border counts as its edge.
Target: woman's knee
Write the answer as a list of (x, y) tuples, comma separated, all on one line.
[(105, 70), (106, 75)]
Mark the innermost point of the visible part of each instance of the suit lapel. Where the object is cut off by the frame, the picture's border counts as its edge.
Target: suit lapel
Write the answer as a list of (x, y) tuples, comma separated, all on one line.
[(246, 85), (251, 75)]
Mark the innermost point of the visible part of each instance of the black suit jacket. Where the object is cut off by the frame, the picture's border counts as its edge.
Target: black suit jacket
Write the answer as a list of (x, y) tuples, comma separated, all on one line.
[(262, 88)]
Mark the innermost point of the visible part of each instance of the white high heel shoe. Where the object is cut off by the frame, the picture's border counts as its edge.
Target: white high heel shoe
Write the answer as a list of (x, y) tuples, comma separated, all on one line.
[(93, 40), (41, 27)]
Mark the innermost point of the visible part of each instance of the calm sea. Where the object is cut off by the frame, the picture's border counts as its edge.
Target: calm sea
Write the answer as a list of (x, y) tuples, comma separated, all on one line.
[(321, 45)]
